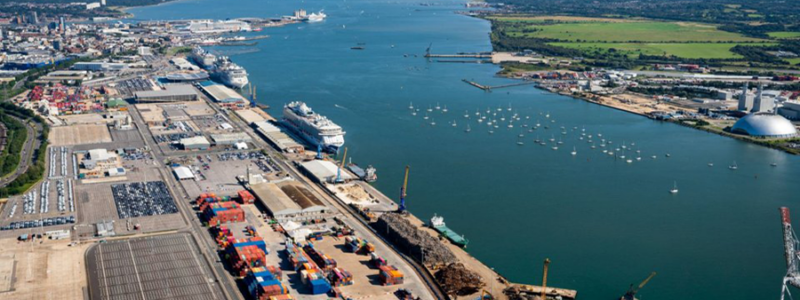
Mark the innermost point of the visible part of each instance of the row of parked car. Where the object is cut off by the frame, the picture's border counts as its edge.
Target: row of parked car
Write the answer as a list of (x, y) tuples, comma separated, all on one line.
[(40, 223)]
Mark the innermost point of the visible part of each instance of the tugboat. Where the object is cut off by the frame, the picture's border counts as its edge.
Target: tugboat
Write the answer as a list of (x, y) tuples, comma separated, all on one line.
[(437, 223)]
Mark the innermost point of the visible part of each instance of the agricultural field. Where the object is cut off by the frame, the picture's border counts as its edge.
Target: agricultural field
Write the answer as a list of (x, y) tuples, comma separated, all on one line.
[(629, 36), (685, 50), (640, 31), (785, 35)]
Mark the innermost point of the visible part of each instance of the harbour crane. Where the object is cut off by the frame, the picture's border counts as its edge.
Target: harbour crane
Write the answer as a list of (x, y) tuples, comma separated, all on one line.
[(544, 279), (790, 246), (631, 293), (403, 189), (339, 171)]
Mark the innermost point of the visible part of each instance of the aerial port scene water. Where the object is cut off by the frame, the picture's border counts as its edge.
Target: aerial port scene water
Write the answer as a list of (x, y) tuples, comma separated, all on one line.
[(365, 149)]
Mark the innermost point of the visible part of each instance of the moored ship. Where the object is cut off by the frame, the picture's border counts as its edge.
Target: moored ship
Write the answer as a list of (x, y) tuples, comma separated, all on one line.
[(314, 128), (203, 58), (437, 223), (230, 73)]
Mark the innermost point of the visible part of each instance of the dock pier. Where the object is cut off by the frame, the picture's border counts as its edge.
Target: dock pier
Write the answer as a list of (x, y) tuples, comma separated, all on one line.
[(489, 88)]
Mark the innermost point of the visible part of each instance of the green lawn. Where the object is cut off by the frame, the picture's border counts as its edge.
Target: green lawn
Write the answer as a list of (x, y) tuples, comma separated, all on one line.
[(784, 35), (637, 31), (794, 61), (685, 50)]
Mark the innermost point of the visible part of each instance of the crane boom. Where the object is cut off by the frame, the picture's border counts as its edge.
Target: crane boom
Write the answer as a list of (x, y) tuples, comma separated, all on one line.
[(403, 190), (641, 285), (339, 171)]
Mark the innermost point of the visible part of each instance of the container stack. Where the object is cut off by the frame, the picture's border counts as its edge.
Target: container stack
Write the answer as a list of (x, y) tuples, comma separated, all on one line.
[(262, 284), (339, 277), (282, 297), (253, 241), (297, 256), (376, 260), (246, 197), (223, 212), (323, 261), (245, 257), (389, 275), (222, 234), (318, 283), (206, 199)]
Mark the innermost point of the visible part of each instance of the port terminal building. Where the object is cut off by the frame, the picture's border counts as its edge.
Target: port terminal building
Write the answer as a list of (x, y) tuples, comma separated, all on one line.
[(170, 93)]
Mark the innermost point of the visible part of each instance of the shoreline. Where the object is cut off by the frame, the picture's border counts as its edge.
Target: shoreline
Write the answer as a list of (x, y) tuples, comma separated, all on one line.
[(763, 143)]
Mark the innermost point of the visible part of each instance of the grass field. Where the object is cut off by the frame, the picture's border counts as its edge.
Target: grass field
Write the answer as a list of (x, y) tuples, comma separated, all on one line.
[(794, 61), (784, 35), (685, 50), (543, 19), (635, 31)]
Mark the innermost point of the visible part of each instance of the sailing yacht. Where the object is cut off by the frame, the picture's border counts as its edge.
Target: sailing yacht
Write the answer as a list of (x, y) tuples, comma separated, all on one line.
[(468, 129), (574, 151), (733, 166), (674, 189)]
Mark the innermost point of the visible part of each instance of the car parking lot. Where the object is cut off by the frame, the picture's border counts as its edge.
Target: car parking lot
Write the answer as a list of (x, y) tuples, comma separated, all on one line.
[(139, 199)]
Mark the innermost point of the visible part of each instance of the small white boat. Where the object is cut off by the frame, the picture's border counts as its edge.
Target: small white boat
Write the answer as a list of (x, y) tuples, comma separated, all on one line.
[(433, 122), (411, 106), (710, 164), (425, 117), (574, 151), (674, 189), (555, 147), (444, 109), (438, 107), (733, 166), (520, 143), (774, 164)]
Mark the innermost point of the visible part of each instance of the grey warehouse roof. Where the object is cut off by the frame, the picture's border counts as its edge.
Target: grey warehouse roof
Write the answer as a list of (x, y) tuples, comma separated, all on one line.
[(764, 125)]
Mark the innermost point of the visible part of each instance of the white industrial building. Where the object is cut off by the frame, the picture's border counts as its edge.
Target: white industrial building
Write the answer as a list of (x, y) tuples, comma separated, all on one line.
[(324, 171), (231, 138), (170, 93), (790, 110), (183, 173), (195, 143), (277, 138)]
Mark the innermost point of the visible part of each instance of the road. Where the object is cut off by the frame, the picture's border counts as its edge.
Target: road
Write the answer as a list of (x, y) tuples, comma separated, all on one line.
[(26, 155)]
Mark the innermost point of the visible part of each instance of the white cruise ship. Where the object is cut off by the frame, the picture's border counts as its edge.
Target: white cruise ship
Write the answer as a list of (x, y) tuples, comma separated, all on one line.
[(230, 73), (314, 128), (203, 58)]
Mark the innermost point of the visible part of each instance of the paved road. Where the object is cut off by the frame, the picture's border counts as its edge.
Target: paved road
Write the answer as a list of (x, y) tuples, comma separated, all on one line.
[(27, 152)]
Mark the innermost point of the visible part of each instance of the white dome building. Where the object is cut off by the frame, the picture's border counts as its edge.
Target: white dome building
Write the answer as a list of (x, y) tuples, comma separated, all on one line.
[(765, 125)]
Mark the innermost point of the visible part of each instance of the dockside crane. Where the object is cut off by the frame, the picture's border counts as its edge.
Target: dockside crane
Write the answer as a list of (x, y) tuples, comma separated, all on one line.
[(403, 189), (631, 293), (790, 246), (339, 171)]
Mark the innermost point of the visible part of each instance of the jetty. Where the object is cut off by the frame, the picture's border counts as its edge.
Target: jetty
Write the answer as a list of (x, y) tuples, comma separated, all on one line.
[(489, 88)]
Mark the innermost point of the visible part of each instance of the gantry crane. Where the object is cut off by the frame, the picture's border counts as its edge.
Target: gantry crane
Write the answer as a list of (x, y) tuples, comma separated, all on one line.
[(631, 294), (790, 246), (339, 171), (403, 189)]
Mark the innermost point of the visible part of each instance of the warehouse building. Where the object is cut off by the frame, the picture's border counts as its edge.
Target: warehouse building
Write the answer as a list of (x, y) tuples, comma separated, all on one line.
[(183, 173), (99, 66), (171, 93), (231, 138), (289, 202), (278, 139), (324, 171), (195, 143)]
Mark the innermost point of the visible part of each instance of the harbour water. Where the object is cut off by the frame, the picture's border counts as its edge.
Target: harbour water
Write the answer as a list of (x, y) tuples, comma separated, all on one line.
[(604, 223)]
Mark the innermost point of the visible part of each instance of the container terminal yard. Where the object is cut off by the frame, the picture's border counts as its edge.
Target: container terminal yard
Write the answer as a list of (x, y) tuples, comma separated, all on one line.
[(189, 191)]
